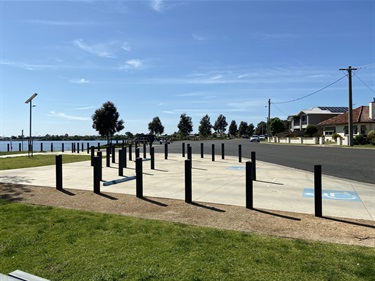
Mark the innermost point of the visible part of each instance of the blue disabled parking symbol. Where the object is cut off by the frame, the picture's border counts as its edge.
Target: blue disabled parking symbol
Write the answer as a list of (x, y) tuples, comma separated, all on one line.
[(333, 195), (234, 168)]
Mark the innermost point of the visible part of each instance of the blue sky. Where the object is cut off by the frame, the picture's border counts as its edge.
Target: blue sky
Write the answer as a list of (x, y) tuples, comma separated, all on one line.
[(164, 58)]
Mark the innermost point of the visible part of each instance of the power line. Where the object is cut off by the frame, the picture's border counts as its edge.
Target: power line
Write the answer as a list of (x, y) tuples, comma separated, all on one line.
[(312, 93), (356, 75)]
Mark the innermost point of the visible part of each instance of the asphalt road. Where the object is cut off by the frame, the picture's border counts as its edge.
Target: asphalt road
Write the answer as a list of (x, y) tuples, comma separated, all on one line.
[(348, 163)]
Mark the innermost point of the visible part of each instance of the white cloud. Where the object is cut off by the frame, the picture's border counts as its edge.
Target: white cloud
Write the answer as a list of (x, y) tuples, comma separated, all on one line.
[(199, 37), (132, 64), (99, 49), (157, 5), (69, 117), (80, 81), (125, 46)]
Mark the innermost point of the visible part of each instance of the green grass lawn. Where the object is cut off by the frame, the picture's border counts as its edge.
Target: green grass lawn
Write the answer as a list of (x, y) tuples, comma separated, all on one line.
[(18, 162), (61, 244)]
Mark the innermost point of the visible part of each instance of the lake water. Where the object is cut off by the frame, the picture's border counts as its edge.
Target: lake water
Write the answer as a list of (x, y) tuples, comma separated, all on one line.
[(46, 145)]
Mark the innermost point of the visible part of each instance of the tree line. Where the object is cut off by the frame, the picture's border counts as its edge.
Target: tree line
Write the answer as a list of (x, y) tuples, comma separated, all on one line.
[(106, 122)]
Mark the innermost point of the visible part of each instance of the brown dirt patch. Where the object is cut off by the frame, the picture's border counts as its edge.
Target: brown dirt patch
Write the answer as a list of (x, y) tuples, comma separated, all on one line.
[(267, 222)]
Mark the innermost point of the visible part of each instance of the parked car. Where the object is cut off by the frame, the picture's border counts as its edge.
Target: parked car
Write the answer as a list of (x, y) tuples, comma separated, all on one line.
[(254, 138), (262, 137)]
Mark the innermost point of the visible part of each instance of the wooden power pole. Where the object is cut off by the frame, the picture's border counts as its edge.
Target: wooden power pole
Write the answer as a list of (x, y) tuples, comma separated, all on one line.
[(350, 112)]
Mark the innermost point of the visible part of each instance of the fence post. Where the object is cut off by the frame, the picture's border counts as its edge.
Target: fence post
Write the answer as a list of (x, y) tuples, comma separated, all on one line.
[(59, 178), (51, 147), (318, 190), (41, 147), (189, 152), (78, 147), (183, 149), (136, 153), (125, 156), (62, 147), (202, 150), (130, 152), (253, 160), (213, 152), (249, 185), (188, 181), (139, 177), (88, 148), (222, 151)]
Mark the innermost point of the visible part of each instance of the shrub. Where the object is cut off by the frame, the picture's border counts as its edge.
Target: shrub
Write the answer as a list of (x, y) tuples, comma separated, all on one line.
[(335, 136), (360, 139), (371, 137)]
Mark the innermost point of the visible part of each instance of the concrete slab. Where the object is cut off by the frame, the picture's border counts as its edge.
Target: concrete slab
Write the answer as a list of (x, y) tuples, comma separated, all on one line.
[(277, 187)]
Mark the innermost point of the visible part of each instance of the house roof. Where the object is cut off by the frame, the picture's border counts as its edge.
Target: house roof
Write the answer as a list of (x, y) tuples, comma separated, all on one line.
[(360, 115), (323, 110)]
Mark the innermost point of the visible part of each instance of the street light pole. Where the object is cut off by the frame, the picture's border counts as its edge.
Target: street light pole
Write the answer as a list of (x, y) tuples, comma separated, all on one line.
[(30, 101)]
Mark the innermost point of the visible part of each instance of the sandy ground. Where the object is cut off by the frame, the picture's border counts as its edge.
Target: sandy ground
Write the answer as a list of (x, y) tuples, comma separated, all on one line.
[(266, 222)]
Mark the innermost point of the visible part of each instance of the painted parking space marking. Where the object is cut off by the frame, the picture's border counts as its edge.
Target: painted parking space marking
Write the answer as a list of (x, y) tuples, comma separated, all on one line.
[(333, 195), (235, 168)]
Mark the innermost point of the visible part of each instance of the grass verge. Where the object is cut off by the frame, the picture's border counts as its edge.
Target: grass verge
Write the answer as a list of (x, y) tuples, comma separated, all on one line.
[(61, 244), (38, 160)]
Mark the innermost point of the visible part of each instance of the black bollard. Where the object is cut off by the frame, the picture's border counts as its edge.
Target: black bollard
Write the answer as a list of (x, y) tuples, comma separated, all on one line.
[(130, 152), (100, 155), (8, 147), (88, 148), (318, 190), (202, 150), (78, 147), (62, 147), (92, 155), (136, 153), (51, 147), (166, 151), (152, 152), (239, 153), (253, 160), (144, 150), (213, 152), (19, 147), (113, 154), (41, 147), (249, 185), (72, 147), (222, 151), (96, 175), (98, 146), (188, 181), (189, 156), (59, 177), (125, 160), (108, 156), (139, 177), (183, 149), (120, 162)]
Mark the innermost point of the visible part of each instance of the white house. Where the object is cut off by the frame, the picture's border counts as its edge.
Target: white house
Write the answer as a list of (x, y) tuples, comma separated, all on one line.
[(363, 122), (313, 116)]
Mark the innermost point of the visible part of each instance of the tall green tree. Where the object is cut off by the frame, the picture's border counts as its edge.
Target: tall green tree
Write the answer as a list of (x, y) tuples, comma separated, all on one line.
[(221, 124), (185, 126), (233, 129), (106, 120), (205, 126), (261, 128), (242, 129), (250, 129), (276, 126), (155, 126)]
